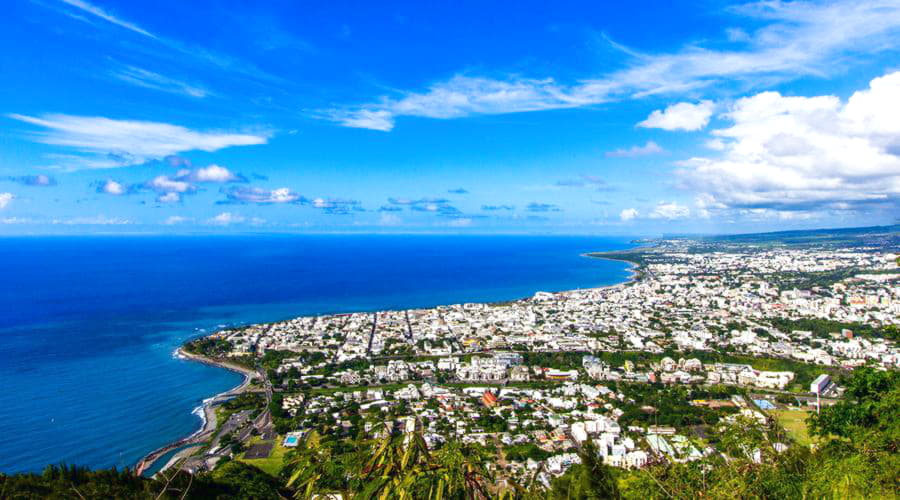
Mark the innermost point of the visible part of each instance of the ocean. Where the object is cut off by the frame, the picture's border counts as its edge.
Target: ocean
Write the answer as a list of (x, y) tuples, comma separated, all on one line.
[(89, 325)]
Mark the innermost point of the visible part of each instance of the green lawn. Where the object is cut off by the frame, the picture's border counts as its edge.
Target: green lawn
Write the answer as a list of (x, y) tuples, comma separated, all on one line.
[(794, 422), (271, 465)]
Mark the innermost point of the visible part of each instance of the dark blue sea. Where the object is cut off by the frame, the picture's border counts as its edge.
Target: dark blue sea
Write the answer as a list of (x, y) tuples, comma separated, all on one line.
[(88, 325)]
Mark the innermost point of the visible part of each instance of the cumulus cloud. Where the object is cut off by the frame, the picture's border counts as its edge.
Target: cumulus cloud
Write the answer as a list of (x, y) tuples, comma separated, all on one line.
[(458, 191), (174, 220), (170, 197), (390, 208), (628, 214), (437, 208), (226, 219), (211, 173), (112, 187), (805, 153), (6, 199), (670, 211), (116, 143), (650, 148), (681, 116), (259, 195), (166, 184), (793, 39), (39, 180), (185, 181)]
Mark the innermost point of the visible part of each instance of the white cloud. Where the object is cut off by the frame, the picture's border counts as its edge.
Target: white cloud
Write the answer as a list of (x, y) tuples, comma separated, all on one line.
[(112, 187), (628, 214), (669, 210), (463, 96), (115, 143), (260, 195), (225, 219), (212, 173), (102, 14), (17, 220), (166, 184), (364, 118), (175, 220), (170, 197), (796, 38), (6, 199), (705, 204), (650, 148), (803, 153), (99, 220), (681, 116), (150, 80)]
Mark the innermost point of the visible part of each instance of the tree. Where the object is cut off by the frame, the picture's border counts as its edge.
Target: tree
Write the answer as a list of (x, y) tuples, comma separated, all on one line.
[(589, 480)]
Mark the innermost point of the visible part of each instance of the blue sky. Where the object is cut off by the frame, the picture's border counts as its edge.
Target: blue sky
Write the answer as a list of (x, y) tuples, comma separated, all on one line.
[(634, 118)]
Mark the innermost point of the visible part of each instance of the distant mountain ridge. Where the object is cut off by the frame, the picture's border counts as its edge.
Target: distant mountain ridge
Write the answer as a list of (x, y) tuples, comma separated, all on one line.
[(882, 236)]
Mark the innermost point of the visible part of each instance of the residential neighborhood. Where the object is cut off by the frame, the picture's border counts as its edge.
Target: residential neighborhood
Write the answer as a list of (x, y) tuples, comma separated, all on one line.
[(645, 371)]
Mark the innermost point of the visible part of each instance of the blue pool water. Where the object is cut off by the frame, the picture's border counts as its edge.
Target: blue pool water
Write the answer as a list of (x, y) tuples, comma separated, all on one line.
[(88, 325)]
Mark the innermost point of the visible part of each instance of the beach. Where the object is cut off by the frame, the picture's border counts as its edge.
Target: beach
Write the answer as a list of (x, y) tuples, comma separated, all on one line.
[(206, 412)]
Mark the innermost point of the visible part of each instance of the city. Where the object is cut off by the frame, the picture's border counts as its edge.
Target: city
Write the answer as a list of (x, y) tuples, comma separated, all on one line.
[(534, 379)]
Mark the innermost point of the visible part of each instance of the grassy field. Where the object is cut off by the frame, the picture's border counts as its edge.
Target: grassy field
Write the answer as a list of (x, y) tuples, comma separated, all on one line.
[(271, 465), (794, 422)]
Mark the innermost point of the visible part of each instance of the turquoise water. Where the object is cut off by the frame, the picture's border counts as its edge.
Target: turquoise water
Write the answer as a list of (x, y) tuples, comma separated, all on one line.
[(88, 325)]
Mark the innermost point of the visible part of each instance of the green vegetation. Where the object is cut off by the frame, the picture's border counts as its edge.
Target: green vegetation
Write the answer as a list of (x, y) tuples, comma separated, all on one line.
[(810, 280), (209, 346), (856, 457), (671, 404), (217, 348), (522, 452), (844, 237), (245, 481), (824, 327), (271, 465), (231, 480), (794, 422)]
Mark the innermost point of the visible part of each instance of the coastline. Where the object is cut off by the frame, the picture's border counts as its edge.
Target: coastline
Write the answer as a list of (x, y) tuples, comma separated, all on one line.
[(634, 266), (205, 411), (207, 414)]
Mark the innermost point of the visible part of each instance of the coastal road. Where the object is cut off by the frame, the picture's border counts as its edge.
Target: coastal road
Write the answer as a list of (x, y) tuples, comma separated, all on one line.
[(209, 427)]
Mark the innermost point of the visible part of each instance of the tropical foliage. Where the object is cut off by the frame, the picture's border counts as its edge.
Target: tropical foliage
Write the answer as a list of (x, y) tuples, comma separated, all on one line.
[(857, 457)]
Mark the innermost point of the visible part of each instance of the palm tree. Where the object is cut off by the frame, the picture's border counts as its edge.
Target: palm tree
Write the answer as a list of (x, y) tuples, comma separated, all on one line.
[(400, 467), (404, 468), (310, 464), (592, 479)]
